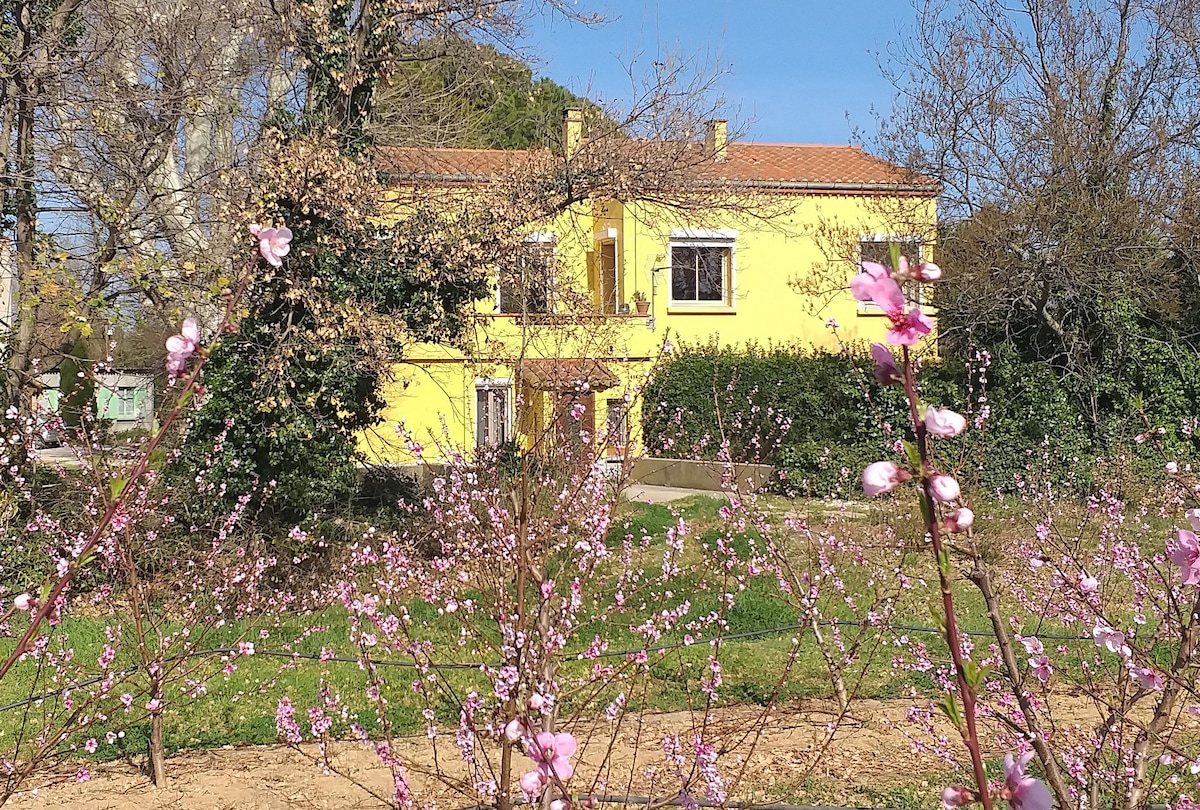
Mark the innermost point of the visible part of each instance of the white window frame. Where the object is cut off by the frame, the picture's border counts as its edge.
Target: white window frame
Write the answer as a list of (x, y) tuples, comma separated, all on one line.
[(870, 307), (132, 412), (700, 237), (503, 384), (540, 238)]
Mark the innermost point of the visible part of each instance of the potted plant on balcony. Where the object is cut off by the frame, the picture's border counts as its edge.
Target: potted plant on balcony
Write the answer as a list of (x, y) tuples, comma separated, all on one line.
[(639, 301)]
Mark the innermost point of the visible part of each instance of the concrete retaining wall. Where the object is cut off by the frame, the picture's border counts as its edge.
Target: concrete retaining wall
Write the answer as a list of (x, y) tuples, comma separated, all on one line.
[(655, 472), (673, 472)]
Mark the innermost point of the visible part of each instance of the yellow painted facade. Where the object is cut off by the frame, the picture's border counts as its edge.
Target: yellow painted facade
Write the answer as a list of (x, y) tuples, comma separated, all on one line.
[(774, 274)]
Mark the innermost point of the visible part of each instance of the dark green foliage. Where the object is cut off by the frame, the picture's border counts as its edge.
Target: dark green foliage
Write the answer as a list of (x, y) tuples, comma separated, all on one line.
[(305, 449), (386, 491), (77, 404), (466, 94), (291, 390), (820, 418), (1032, 427), (1111, 323), (778, 405)]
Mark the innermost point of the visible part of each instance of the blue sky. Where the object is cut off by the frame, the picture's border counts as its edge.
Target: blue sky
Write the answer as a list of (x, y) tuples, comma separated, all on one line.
[(796, 69)]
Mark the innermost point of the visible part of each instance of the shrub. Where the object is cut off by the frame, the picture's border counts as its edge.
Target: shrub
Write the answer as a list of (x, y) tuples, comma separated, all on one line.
[(820, 417)]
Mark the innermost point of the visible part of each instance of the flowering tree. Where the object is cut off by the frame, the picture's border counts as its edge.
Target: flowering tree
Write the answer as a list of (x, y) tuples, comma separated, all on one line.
[(879, 283), (153, 636), (529, 573), (1130, 752)]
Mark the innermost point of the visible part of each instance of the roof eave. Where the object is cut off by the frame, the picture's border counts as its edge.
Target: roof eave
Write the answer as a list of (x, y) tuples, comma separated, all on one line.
[(931, 189)]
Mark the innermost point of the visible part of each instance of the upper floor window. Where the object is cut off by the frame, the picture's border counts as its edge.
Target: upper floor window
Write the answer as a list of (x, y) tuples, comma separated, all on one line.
[(877, 248), (702, 267), (528, 287)]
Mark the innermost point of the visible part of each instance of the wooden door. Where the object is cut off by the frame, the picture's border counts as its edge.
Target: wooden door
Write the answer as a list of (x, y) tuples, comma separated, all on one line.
[(572, 428)]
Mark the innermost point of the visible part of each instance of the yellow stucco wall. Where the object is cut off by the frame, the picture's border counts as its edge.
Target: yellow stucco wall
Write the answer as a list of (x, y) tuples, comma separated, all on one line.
[(792, 258)]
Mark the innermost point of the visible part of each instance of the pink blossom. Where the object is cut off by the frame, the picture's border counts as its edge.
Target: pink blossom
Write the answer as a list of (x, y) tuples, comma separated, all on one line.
[(182, 346), (862, 285), (1184, 551), (533, 782), (1193, 517), (515, 730), (881, 477), (1110, 639), (1172, 468), (560, 804), (1023, 792), (537, 702), (1032, 644), (24, 602), (1088, 584), (928, 272), (959, 520), (944, 489), (552, 753), (1039, 667), (91, 745), (1146, 678), (273, 243), (831, 323), (944, 422), (875, 284), (956, 796), (924, 272), (908, 328), (885, 372)]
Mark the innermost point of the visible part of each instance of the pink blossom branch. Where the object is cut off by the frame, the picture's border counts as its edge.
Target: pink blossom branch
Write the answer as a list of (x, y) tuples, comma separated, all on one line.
[(1162, 712), (48, 604), (929, 511), (983, 580)]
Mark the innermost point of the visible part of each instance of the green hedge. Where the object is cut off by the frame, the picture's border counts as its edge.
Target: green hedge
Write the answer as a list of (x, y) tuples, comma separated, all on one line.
[(820, 418)]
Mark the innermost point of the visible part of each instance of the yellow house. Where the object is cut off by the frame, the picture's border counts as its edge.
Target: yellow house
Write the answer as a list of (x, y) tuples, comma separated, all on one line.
[(610, 284)]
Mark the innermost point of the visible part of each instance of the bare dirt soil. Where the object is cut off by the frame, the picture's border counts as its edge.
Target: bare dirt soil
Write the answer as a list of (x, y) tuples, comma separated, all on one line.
[(869, 748)]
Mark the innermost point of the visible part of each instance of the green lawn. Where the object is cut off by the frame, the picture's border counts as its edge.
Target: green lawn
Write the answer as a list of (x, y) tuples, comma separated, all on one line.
[(240, 707)]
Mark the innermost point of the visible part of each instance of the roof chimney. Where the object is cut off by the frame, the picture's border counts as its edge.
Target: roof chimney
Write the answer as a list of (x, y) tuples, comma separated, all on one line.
[(572, 132), (716, 139)]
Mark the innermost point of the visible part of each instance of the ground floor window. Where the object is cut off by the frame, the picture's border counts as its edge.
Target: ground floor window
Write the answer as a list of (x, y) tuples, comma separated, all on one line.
[(126, 403), (492, 413)]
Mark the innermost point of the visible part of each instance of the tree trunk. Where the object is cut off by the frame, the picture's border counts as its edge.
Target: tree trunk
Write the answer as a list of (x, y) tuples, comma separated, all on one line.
[(158, 751), (26, 214)]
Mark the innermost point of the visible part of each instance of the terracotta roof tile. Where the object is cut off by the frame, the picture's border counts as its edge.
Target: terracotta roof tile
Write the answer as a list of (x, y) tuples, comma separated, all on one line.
[(567, 374), (805, 163), (760, 164)]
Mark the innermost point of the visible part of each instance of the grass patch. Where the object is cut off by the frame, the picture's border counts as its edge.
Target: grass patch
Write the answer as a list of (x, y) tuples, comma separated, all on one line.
[(240, 705)]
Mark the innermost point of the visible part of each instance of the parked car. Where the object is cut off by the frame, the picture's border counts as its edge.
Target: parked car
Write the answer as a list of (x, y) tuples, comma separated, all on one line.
[(47, 432)]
